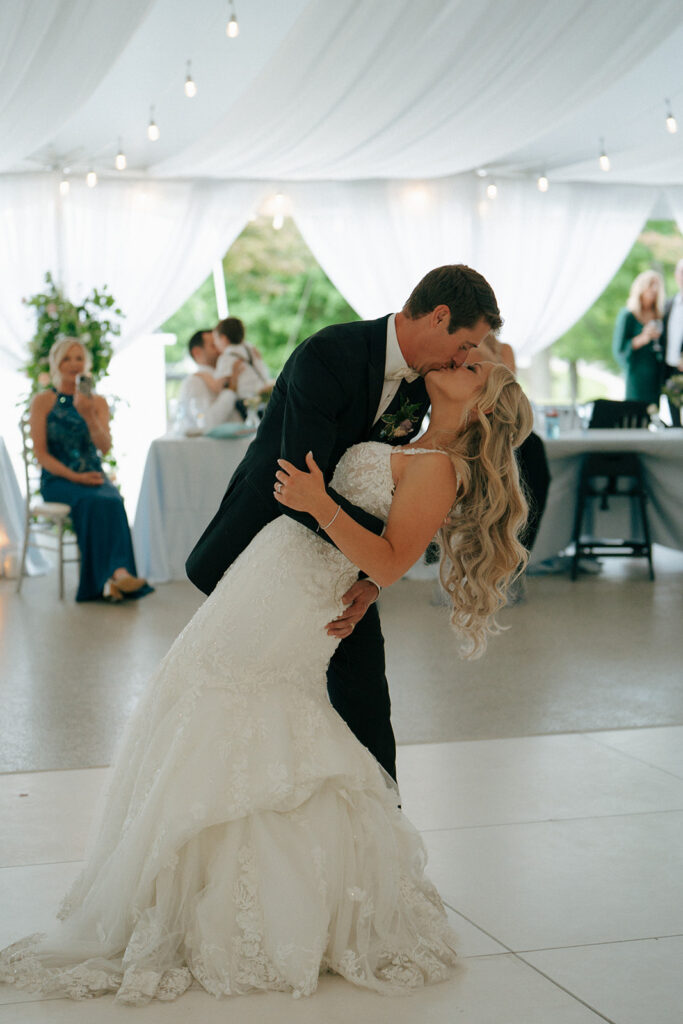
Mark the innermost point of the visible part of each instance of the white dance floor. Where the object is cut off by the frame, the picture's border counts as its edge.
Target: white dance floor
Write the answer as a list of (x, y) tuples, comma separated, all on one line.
[(561, 858)]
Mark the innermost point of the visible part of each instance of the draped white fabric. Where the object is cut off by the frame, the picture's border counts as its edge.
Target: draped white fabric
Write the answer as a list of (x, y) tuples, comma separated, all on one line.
[(404, 89), (53, 54), (376, 239), (675, 198), (548, 256), (151, 242)]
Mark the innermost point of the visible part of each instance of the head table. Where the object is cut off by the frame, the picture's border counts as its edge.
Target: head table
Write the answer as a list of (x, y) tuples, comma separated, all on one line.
[(185, 479), (661, 455)]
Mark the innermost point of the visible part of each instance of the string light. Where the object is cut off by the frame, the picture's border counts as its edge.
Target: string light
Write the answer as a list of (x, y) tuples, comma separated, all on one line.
[(190, 84), (671, 125), (91, 179), (120, 162), (232, 29), (543, 183), (492, 190), (603, 160), (153, 132), (64, 185)]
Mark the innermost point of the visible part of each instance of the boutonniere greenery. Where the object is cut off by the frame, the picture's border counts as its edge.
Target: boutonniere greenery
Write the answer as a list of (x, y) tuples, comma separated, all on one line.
[(673, 389), (401, 423)]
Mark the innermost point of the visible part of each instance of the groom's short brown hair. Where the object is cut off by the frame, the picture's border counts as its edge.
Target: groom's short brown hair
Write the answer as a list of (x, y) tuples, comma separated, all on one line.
[(467, 294)]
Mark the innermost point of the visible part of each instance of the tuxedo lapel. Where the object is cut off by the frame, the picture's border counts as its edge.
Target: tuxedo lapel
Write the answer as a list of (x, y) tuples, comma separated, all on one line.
[(377, 354)]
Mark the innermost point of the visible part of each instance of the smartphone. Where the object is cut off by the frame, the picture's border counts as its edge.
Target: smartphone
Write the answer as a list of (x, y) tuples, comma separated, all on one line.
[(85, 383)]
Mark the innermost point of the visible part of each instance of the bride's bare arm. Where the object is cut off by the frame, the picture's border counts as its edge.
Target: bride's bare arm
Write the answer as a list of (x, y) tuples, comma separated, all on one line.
[(424, 494)]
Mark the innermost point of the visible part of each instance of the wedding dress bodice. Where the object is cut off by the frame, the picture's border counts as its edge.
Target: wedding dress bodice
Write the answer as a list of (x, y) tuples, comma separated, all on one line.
[(247, 839)]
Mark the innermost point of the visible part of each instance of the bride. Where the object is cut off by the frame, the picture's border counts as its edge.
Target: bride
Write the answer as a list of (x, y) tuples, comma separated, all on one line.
[(247, 839)]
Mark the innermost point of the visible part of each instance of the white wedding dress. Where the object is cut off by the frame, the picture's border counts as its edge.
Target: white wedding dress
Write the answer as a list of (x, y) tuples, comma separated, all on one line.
[(247, 839)]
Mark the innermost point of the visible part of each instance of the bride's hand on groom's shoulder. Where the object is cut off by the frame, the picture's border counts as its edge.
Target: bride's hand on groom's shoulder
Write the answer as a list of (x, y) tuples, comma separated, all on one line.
[(302, 490)]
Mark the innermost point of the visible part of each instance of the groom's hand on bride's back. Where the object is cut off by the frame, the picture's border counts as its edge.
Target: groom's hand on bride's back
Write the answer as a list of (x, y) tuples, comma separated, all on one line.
[(357, 599)]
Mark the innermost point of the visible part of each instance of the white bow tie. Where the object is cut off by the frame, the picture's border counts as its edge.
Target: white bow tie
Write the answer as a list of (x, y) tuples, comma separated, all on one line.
[(405, 373)]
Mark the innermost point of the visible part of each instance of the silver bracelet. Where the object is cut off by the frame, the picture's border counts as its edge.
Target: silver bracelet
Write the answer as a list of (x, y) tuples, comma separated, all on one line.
[(327, 526)]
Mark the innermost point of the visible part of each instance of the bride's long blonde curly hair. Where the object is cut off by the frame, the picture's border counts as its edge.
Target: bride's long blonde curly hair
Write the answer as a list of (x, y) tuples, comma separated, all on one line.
[(480, 549)]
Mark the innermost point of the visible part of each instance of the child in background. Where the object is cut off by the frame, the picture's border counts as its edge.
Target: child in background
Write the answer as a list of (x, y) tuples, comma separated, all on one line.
[(254, 379)]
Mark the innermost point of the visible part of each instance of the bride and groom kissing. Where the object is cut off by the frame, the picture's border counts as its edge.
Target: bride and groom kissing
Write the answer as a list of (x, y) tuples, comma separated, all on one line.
[(251, 837)]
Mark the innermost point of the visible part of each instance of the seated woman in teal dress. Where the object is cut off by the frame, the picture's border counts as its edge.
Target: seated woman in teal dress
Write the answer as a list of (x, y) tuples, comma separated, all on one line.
[(68, 427), (636, 344)]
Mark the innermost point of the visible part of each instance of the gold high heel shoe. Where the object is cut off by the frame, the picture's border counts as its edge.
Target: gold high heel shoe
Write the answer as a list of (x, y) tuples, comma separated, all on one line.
[(129, 584)]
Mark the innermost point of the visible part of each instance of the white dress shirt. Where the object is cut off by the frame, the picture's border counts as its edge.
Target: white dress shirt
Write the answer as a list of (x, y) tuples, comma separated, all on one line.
[(200, 409), (394, 365), (674, 332)]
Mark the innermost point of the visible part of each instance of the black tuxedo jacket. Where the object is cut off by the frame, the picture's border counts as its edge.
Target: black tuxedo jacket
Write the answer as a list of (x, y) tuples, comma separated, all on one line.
[(324, 401)]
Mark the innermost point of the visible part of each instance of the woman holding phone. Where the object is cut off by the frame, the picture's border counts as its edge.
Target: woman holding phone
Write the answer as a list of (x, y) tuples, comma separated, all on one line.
[(69, 427)]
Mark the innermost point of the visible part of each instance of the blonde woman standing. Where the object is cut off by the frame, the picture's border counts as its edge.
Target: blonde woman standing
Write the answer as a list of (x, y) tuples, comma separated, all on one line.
[(69, 427), (636, 344)]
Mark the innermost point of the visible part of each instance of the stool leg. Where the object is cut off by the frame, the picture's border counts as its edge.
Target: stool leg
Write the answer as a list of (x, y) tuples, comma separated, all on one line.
[(578, 523), (24, 552), (61, 561), (646, 528)]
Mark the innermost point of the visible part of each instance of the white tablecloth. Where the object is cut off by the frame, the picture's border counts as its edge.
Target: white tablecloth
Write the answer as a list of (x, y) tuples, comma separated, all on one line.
[(12, 517), (185, 479), (661, 454), (182, 486)]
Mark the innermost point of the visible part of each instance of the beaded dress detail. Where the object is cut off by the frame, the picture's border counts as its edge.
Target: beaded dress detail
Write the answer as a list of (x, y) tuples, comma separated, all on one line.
[(247, 840), (68, 437)]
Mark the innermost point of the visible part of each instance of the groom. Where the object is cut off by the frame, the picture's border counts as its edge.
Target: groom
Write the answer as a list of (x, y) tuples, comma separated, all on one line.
[(350, 383)]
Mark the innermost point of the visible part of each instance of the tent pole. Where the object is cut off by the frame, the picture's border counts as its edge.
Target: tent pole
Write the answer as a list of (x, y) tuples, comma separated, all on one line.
[(219, 289)]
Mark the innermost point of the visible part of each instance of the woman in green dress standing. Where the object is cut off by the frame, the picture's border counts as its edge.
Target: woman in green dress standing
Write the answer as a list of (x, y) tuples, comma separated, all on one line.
[(636, 344)]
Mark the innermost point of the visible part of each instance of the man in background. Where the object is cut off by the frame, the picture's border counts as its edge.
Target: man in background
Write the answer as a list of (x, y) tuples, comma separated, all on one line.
[(672, 339), (205, 401)]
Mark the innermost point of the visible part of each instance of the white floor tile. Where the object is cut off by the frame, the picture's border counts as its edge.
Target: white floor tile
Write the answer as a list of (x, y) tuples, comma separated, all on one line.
[(46, 816), (660, 747), (534, 778), (629, 982), (564, 883), (490, 990), (472, 941)]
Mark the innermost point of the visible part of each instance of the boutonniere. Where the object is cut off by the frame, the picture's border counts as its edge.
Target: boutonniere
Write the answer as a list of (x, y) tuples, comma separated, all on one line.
[(401, 423)]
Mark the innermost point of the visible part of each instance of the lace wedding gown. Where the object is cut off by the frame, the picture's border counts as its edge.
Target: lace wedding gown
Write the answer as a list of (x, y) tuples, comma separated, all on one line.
[(247, 839)]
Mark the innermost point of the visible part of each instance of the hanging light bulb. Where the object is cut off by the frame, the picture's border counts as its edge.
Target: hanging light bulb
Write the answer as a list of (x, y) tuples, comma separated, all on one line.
[(492, 190), (671, 125), (190, 84), (543, 183), (153, 132), (120, 161), (64, 185), (91, 179), (603, 159), (232, 29)]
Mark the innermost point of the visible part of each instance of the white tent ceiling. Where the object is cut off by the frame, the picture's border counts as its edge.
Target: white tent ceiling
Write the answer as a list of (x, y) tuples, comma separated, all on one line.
[(344, 89)]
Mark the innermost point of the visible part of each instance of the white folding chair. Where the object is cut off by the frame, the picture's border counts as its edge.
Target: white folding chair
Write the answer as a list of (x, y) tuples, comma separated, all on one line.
[(46, 522)]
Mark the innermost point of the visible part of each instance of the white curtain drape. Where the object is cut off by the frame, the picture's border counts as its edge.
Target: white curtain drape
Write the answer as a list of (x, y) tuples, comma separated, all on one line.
[(548, 255), (674, 194), (53, 55), (376, 239), (399, 88), (152, 243)]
